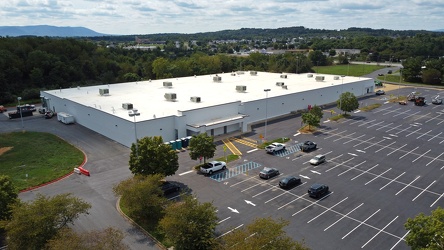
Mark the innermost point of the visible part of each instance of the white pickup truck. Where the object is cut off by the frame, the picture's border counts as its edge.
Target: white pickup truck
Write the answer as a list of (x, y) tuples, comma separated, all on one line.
[(213, 166), (274, 147)]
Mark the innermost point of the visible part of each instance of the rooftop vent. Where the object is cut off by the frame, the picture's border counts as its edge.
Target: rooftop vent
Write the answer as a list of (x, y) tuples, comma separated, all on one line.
[(195, 98), (280, 83), (336, 77), (241, 88), (320, 78), (217, 78), (233, 74), (309, 75), (168, 84), (284, 86), (240, 72), (127, 106), (104, 91), (253, 73), (283, 76), (170, 96)]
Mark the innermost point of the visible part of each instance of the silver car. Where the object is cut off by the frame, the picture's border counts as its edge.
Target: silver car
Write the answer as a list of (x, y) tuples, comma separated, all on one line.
[(318, 159)]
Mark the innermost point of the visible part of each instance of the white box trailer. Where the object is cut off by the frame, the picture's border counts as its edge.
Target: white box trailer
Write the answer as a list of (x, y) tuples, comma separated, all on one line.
[(65, 118)]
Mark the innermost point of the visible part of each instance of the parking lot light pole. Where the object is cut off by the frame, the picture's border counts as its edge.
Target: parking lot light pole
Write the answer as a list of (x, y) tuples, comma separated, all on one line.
[(133, 113), (20, 110), (342, 90), (266, 111)]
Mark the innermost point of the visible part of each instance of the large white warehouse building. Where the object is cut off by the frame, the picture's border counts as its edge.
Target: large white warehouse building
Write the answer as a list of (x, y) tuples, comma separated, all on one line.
[(214, 104)]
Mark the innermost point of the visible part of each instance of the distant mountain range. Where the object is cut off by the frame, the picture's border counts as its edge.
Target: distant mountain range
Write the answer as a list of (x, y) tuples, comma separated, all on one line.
[(47, 30)]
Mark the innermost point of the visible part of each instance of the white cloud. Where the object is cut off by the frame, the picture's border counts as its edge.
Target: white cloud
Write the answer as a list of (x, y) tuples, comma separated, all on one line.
[(192, 16)]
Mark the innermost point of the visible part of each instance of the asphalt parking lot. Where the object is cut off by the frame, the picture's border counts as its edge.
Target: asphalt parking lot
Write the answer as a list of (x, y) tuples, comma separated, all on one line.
[(383, 166)]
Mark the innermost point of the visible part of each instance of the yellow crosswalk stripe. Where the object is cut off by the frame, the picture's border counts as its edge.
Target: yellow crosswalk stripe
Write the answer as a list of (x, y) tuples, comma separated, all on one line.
[(231, 147)]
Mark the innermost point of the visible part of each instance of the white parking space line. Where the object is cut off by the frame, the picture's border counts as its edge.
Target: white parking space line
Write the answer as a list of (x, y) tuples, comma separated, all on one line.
[(224, 220), (423, 134), (352, 168), (406, 186), (380, 231), (393, 128), (354, 139), (377, 176), (314, 203), (343, 216), (357, 121), (326, 210), (434, 136), (266, 190), (252, 150), (290, 202), (364, 171), (235, 184), (376, 124), (400, 239), (421, 155), (340, 164), (364, 123), (222, 235), (373, 144), (380, 110), (434, 159), (385, 147), (422, 116), (396, 150), (437, 200), (402, 130), (425, 189), (393, 180), (251, 187), (363, 142), (440, 122), (411, 115), (408, 152), (413, 132), (433, 118), (187, 172), (361, 223), (335, 135), (384, 126), (286, 192), (401, 113), (340, 138)]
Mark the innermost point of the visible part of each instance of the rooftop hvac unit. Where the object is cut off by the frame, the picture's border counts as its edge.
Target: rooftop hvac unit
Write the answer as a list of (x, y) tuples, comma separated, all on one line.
[(241, 88), (284, 86), (336, 77), (127, 106), (240, 72), (195, 99), (320, 78), (309, 75), (104, 91), (168, 84), (283, 76), (217, 79), (253, 73), (170, 96), (280, 83), (233, 74)]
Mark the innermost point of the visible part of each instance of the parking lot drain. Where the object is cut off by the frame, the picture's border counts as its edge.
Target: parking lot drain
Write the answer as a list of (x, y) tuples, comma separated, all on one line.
[(237, 170)]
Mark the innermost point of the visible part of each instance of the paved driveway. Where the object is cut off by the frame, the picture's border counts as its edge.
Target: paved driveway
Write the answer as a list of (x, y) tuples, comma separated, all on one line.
[(107, 162)]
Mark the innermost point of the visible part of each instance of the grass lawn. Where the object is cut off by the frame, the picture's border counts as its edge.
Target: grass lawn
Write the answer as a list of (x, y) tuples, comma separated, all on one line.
[(350, 70), (42, 156)]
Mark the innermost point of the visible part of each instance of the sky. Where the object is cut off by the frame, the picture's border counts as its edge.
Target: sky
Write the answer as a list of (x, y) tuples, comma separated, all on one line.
[(129, 17)]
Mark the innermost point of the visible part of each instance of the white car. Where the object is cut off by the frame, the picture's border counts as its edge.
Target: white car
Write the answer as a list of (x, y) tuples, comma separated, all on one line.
[(318, 159), (213, 166), (274, 147)]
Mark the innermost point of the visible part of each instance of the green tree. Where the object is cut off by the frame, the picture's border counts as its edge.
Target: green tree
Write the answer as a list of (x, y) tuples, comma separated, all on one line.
[(202, 145), (262, 233), (142, 197), (311, 120), (36, 222), (152, 156), (347, 102), (432, 76), (107, 239), (8, 196), (190, 224), (317, 111), (426, 232)]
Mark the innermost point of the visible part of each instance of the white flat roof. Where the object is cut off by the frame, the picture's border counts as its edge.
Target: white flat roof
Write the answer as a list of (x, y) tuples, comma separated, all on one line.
[(148, 96)]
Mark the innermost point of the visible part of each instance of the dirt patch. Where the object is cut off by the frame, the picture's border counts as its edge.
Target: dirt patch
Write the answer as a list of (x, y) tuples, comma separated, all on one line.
[(4, 150)]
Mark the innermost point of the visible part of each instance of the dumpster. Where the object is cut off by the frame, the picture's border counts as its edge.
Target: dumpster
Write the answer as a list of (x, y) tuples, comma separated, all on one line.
[(179, 144), (184, 142), (173, 145)]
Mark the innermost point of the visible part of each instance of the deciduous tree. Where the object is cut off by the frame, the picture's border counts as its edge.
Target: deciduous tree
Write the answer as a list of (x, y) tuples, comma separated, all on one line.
[(36, 222), (202, 145), (311, 120), (347, 102), (262, 233), (8, 196), (189, 224), (426, 232), (152, 156)]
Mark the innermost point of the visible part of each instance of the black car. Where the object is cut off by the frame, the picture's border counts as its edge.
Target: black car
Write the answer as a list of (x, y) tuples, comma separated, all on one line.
[(169, 187), (380, 92), (267, 173), (318, 190), (289, 182)]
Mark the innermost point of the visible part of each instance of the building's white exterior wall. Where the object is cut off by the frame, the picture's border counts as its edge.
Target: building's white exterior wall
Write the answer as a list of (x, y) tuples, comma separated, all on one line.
[(213, 120)]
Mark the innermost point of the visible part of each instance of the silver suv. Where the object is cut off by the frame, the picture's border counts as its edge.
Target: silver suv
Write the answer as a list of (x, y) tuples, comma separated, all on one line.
[(318, 159)]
